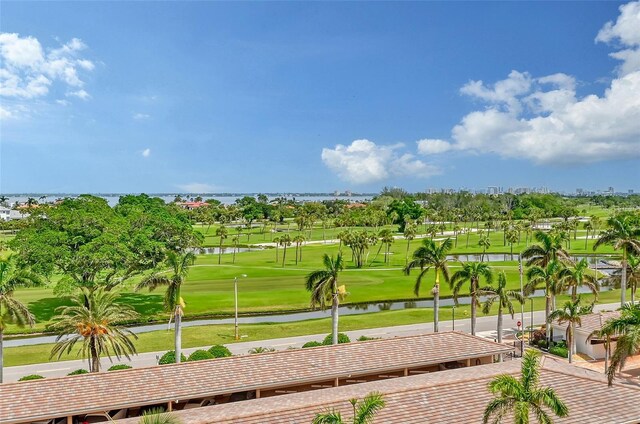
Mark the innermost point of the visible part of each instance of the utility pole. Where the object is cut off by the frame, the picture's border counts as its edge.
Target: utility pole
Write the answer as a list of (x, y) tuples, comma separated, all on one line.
[(521, 305)]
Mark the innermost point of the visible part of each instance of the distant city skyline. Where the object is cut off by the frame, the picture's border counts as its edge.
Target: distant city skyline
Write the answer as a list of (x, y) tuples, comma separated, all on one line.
[(194, 97)]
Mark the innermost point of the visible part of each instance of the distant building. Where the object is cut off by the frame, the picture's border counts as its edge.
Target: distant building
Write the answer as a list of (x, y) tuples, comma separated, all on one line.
[(191, 205), (7, 214)]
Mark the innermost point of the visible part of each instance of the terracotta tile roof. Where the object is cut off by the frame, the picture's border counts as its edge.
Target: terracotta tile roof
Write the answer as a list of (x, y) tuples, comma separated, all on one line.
[(592, 322), (454, 396), (57, 397)]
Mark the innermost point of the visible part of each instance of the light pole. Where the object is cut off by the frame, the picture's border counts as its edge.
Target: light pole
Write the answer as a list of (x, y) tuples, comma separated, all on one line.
[(235, 292), (521, 305)]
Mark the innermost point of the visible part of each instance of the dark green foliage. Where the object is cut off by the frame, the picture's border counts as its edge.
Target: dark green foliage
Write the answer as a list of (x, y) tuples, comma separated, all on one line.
[(31, 377), (261, 349), (219, 351), (559, 351), (365, 338), (170, 358), (79, 371), (200, 355), (313, 343), (342, 338), (119, 367)]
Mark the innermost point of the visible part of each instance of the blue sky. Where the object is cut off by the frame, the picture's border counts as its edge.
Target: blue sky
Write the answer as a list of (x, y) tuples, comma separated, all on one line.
[(213, 97)]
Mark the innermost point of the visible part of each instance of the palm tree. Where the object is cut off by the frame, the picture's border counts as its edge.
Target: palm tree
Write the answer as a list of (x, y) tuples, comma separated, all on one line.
[(234, 240), (504, 298), (512, 237), (323, 285), (363, 411), (223, 233), (12, 310), (93, 320), (285, 240), (546, 278), (627, 329), (549, 248), (298, 240), (485, 243), (178, 269), (431, 255), (633, 276), (570, 313), (578, 275), (521, 397), (622, 235), (587, 226), (410, 231), (386, 238), (158, 416), (471, 272)]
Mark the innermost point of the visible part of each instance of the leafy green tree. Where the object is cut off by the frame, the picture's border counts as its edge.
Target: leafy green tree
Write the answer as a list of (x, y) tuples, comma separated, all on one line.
[(503, 297), (571, 313), (548, 248), (519, 398), (364, 411), (623, 234), (178, 270), (471, 273), (11, 309), (431, 255), (403, 208), (627, 330), (359, 243), (93, 321), (323, 286)]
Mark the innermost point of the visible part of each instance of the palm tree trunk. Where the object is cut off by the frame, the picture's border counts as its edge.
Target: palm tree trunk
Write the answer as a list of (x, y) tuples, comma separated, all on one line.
[(178, 335), (334, 317), (1, 354), (297, 247), (571, 342), (500, 358), (623, 280), (95, 356), (547, 312), (220, 251), (284, 255), (406, 258), (436, 307), (473, 314)]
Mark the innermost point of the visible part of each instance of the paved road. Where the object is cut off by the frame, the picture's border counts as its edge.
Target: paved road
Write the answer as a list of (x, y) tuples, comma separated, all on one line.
[(485, 327)]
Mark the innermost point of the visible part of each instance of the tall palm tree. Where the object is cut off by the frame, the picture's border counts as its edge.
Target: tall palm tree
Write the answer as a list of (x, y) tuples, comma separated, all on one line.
[(578, 275), (431, 255), (410, 231), (485, 242), (623, 234), (285, 240), (323, 285), (298, 240), (633, 276), (93, 321), (627, 329), (386, 238), (548, 248), (12, 310), (364, 411), (570, 314), (223, 233), (518, 398), (178, 269), (471, 272), (503, 297), (546, 278)]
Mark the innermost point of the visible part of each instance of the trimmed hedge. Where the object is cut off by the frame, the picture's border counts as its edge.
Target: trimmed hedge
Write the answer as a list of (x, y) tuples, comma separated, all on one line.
[(31, 377), (118, 367), (199, 355), (559, 351), (219, 351), (79, 371), (170, 358), (312, 343), (342, 338)]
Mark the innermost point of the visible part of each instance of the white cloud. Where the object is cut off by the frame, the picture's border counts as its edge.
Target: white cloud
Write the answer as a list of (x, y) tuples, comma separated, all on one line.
[(196, 188), (141, 116), (28, 71), (364, 161), (544, 121), (146, 153), (429, 146), (5, 113)]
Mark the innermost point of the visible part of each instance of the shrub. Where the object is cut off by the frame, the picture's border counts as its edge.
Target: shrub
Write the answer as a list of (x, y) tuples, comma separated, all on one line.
[(118, 367), (261, 349), (365, 338), (219, 351), (170, 358), (31, 377), (537, 336), (542, 343), (312, 343), (79, 371), (559, 351), (342, 338), (200, 355)]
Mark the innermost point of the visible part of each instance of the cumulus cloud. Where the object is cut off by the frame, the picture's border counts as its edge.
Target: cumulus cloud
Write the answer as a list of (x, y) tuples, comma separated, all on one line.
[(543, 119), (146, 153), (196, 188), (364, 161), (29, 71)]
